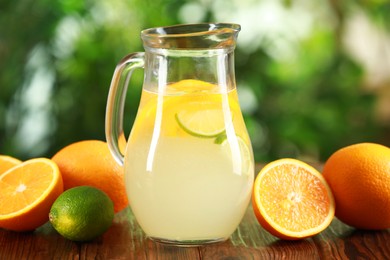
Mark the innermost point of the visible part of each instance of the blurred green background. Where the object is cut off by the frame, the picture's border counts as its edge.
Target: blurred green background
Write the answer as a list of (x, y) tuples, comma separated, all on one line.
[(312, 76)]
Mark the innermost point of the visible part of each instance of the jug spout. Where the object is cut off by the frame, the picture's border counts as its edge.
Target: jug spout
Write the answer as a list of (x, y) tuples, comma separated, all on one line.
[(192, 36), (190, 51)]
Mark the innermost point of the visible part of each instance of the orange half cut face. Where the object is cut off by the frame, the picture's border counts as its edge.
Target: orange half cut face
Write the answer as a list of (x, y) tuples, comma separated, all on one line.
[(292, 200), (27, 192)]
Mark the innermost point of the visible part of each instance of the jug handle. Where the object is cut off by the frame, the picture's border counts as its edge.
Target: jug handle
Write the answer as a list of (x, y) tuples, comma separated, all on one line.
[(116, 103)]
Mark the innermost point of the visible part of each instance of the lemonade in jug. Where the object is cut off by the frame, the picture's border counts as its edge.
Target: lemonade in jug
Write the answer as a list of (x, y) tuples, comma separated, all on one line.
[(188, 160)]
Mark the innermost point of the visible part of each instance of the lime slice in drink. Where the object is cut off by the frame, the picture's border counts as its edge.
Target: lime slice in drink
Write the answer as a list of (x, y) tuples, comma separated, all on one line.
[(239, 152), (201, 123)]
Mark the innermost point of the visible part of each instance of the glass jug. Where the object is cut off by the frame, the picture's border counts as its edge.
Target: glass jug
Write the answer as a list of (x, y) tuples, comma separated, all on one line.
[(188, 161)]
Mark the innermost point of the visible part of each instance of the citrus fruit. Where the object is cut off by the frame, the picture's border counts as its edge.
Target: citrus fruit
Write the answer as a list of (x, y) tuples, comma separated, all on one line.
[(359, 176), (239, 152), (7, 162), (27, 192), (192, 86), (187, 107), (82, 213), (91, 163), (292, 200), (200, 112), (207, 122)]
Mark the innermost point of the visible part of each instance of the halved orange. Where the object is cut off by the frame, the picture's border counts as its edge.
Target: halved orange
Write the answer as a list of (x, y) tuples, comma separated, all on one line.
[(27, 191), (292, 200), (7, 162)]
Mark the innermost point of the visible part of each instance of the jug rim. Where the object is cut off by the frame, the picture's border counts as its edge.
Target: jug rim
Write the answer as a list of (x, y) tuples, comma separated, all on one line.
[(196, 35)]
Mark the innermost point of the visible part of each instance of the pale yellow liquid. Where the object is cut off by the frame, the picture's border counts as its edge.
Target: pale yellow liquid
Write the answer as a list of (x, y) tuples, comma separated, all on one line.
[(183, 187)]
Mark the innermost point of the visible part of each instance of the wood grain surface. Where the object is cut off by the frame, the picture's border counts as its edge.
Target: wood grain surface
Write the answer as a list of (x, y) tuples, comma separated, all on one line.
[(126, 240)]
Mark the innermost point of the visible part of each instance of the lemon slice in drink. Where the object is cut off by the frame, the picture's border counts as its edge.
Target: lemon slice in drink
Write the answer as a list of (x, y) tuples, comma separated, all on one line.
[(201, 123), (192, 86), (240, 153)]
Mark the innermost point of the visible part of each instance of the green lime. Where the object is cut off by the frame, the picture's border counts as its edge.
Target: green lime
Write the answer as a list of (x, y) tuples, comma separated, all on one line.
[(82, 213), (201, 123)]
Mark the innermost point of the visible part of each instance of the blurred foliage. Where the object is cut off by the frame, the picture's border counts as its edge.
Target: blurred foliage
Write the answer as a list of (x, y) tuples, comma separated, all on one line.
[(57, 59)]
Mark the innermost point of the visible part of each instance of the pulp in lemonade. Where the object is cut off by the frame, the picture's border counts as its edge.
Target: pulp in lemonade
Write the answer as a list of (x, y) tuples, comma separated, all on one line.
[(189, 165)]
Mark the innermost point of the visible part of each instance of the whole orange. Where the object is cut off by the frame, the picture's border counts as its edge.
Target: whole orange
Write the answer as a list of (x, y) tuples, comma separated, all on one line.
[(359, 177), (90, 163)]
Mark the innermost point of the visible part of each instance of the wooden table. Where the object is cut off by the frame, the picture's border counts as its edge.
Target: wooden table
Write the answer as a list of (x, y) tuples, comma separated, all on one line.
[(125, 240)]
